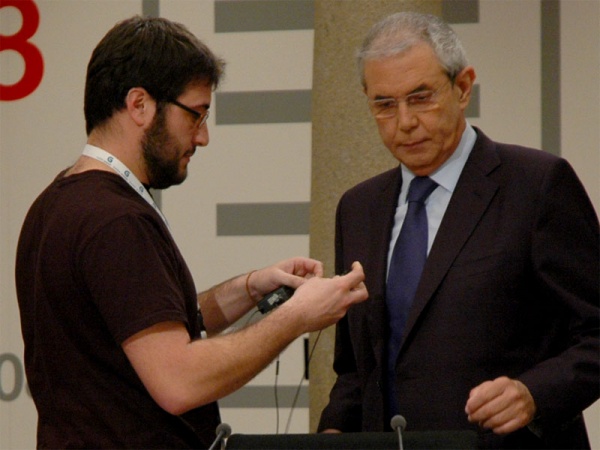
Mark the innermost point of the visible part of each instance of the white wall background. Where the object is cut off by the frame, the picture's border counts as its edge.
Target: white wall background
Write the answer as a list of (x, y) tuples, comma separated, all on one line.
[(44, 132)]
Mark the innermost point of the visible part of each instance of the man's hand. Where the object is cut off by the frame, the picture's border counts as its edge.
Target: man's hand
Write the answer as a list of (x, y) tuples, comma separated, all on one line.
[(503, 405), (291, 272), (321, 302), (224, 304)]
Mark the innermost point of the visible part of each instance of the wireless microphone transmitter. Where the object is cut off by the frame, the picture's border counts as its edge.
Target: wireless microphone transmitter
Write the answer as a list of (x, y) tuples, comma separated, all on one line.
[(275, 298)]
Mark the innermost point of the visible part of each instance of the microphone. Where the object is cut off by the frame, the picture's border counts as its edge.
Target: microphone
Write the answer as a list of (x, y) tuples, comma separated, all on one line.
[(223, 432), (398, 423)]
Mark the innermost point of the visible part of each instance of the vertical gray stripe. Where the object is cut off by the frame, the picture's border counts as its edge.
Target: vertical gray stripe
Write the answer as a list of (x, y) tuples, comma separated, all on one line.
[(464, 11), (262, 107), (262, 219), (157, 197), (150, 8), (550, 23), (460, 11), (263, 15), (473, 109)]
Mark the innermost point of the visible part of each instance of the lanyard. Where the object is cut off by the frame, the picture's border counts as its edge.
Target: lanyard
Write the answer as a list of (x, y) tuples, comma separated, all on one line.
[(114, 163)]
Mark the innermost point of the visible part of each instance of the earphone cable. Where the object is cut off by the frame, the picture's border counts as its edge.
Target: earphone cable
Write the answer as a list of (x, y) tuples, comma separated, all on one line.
[(287, 427)]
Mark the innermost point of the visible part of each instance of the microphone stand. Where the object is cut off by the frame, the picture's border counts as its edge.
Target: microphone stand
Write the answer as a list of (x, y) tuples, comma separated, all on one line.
[(223, 432), (398, 423)]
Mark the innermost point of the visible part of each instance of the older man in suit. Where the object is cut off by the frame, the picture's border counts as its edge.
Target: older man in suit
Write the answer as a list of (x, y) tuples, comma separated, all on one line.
[(499, 332)]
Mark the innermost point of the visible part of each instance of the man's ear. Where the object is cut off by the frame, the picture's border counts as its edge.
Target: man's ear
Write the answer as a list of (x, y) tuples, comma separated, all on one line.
[(140, 106), (465, 81)]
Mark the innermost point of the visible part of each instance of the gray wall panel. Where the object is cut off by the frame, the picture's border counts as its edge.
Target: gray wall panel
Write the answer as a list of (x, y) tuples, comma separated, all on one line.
[(263, 107), (263, 15), (260, 219)]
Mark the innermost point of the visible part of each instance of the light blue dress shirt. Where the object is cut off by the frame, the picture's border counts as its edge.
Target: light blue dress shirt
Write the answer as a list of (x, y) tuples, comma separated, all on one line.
[(446, 176)]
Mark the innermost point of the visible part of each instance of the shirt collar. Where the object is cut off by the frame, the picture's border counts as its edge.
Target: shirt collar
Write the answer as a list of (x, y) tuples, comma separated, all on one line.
[(447, 174)]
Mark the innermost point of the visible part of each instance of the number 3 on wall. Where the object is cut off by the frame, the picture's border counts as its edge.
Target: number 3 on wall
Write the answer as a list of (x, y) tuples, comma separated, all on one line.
[(19, 42)]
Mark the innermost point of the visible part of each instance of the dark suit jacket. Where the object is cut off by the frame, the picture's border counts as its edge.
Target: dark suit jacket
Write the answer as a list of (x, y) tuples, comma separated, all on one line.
[(510, 287)]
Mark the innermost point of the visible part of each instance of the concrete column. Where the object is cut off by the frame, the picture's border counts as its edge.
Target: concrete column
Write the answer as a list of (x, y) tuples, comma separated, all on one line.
[(346, 147)]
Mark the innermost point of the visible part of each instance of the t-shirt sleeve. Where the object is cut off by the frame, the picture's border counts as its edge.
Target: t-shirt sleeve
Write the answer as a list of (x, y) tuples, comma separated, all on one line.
[(131, 270)]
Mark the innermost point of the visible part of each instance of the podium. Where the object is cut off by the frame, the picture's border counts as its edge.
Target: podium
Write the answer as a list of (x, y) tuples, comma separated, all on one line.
[(412, 440)]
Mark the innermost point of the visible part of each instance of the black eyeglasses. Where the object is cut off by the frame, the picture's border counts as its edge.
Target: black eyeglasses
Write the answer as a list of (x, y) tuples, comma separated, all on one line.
[(200, 118)]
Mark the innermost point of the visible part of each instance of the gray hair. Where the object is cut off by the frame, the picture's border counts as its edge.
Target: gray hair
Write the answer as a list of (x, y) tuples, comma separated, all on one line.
[(401, 31)]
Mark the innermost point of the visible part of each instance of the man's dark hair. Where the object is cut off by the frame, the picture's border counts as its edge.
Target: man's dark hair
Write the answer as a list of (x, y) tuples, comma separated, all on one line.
[(156, 54)]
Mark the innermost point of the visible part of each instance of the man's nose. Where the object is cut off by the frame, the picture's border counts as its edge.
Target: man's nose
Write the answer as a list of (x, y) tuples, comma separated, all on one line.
[(406, 117), (201, 137)]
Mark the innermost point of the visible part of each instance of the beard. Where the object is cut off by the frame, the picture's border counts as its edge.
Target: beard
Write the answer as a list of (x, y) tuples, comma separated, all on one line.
[(161, 155)]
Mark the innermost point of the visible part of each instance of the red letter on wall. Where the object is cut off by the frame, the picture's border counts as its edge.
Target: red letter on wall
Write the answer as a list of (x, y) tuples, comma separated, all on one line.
[(19, 42)]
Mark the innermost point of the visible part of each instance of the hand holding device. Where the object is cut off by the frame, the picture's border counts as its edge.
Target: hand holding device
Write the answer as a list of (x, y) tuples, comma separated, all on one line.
[(275, 298)]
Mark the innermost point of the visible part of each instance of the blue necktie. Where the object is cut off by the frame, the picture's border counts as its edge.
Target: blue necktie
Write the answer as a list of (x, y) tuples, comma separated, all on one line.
[(406, 266)]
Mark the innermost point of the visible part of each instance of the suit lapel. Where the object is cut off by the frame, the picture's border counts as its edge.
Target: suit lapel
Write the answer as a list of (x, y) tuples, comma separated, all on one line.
[(470, 200), (382, 216)]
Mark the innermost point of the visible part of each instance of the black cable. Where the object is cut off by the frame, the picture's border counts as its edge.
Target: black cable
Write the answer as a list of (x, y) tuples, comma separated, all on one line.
[(250, 317), (287, 427), (276, 396)]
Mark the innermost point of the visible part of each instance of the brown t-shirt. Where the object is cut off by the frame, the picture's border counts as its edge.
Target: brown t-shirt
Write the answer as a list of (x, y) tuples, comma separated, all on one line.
[(95, 265)]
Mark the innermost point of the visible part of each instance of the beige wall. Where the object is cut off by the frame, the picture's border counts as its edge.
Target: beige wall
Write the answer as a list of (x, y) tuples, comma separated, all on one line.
[(44, 132)]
